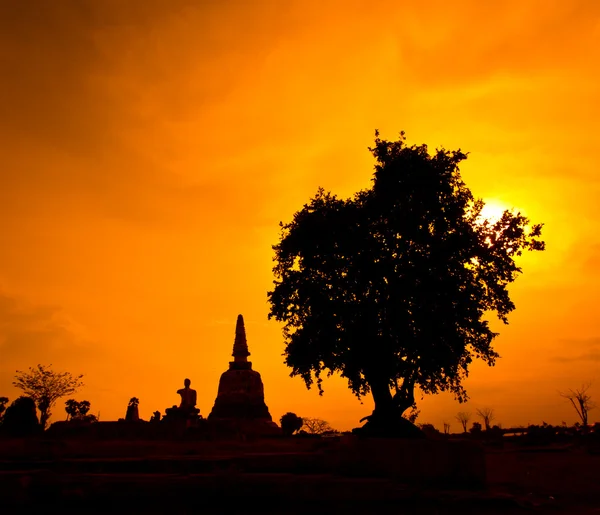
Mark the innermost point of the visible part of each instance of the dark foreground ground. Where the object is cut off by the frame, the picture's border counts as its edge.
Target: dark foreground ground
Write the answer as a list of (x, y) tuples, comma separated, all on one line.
[(292, 476)]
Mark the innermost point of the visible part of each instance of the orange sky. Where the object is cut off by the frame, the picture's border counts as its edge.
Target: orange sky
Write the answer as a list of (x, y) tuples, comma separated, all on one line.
[(149, 150)]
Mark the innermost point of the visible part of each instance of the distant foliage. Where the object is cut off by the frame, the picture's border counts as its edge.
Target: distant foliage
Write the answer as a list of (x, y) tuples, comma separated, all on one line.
[(429, 430), (45, 387), (581, 401), (315, 426), (544, 434), (487, 415), (20, 418), (476, 429), (290, 423), (78, 411), (463, 417)]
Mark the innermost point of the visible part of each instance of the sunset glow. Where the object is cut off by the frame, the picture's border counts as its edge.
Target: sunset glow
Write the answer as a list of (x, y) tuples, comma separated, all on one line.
[(150, 150), (494, 209)]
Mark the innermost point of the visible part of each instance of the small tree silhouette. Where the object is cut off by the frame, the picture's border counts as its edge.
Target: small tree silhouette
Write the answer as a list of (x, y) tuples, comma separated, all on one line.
[(84, 407), (290, 423), (45, 387), (487, 415), (581, 401), (475, 429), (315, 426), (72, 408), (463, 417), (78, 410), (20, 418)]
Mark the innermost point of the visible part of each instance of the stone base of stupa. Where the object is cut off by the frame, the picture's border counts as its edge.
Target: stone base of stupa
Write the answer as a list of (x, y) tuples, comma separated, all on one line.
[(240, 428), (241, 396)]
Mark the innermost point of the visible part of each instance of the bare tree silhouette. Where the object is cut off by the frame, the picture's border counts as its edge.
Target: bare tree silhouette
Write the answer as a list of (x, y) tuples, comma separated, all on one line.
[(315, 426), (463, 417), (581, 401), (487, 415)]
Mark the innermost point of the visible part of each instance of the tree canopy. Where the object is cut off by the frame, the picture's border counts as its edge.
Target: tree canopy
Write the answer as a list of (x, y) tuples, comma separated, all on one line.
[(78, 410), (45, 387), (20, 418), (393, 287), (290, 423)]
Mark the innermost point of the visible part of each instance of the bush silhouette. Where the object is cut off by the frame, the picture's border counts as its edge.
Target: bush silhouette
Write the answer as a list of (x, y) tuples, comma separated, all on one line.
[(20, 418), (290, 423)]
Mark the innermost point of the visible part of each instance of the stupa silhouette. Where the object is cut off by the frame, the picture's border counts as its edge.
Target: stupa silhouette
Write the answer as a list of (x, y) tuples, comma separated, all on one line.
[(241, 395)]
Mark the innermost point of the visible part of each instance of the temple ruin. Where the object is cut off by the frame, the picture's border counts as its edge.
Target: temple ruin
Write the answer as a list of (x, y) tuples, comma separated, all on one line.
[(241, 396)]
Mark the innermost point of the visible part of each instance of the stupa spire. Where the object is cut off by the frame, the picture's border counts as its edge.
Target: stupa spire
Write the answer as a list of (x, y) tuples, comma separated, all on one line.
[(240, 345)]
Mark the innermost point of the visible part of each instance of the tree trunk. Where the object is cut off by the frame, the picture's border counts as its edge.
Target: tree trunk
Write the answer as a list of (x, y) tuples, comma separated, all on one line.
[(382, 396), (386, 419), (44, 416)]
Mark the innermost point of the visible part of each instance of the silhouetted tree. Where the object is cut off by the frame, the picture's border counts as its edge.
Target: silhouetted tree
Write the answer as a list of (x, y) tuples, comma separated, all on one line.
[(446, 428), (72, 408), (3, 402), (290, 423), (45, 387), (84, 407), (78, 410), (390, 288), (20, 418), (315, 426), (475, 429), (487, 415), (429, 430), (463, 417), (581, 401)]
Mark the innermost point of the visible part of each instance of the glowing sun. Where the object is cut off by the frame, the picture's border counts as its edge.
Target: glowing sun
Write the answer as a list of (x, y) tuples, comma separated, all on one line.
[(494, 209)]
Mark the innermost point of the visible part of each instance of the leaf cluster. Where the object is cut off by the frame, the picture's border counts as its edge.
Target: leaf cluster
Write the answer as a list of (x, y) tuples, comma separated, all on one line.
[(290, 423)]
